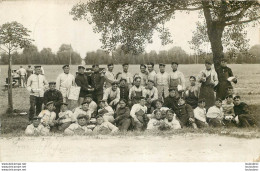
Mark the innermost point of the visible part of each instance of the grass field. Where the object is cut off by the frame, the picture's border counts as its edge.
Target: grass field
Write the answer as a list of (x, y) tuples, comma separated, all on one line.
[(247, 87)]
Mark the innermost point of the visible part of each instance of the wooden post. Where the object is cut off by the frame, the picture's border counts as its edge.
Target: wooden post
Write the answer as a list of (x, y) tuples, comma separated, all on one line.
[(10, 85)]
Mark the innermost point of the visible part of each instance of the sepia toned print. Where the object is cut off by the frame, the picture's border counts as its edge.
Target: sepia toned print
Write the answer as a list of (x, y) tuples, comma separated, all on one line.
[(129, 81)]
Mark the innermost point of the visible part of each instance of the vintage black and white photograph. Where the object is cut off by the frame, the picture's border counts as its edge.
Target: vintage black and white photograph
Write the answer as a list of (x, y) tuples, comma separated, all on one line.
[(129, 81)]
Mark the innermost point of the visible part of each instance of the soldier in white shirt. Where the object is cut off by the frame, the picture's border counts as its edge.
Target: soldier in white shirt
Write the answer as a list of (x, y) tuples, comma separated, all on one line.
[(112, 95), (65, 117), (36, 84), (162, 82), (170, 122), (104, 127), (64, 81), (143, 75), (80, 127), (155, 122), (200, 114), (83, 109), (48, 116), (126, 75), (151, 71), (106, 111), (22, 72), (36, 128), (176, 78), (136, 91), (92, 105), (109, 75), (151, 94), (215, 114)]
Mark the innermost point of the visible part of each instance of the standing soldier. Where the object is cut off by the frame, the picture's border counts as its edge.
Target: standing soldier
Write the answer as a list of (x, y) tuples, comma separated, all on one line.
[(35, 85), (192, 93), (143, 75), (22, 73), (208, 79), (82, 81), (225, 77), (97, 82), (162, 82), (109, 75), (176, 78), (127, 75), (64, 82), (151, 71), (124, 89), (53, 95), (136, 91)]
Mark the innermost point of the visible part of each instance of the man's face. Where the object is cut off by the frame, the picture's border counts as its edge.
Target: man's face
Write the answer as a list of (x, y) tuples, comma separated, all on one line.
[(88, 99), (82, 121), (125, 68), (174, 67), (66, 70), (36, 123), (172, 93), (158, 105), (122, 83), (158, 115), (208, 66), (142, 69), (230, 91), (114, 87), (223, 63), (170, 116), (150, 85), (85, 107), (162, 69), (81, 70), (137, 82), (236, 101), (150, 68), (100, 120), (96, 69), (142, 102), (38, 70), (229, 100), (181, 101), (122, 104), (102, 104), (110, 68), (192, 82), (218, 103), (63, 108), (202, 104), (50, 107), (52, 86)]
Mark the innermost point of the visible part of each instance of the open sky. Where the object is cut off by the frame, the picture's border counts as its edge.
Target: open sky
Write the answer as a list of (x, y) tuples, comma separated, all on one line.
[(51, 26)]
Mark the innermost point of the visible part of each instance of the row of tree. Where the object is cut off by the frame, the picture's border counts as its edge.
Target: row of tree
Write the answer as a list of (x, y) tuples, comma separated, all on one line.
[(31, 55), (167, 56)]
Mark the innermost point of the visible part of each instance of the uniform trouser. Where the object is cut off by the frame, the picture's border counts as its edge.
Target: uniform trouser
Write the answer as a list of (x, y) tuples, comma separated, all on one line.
[(108, 118), (246, 120), (124, 124), (163, 91), (23, 81), (200, 124), (35, 102), (138, 126), (97, 97), (214, 122)]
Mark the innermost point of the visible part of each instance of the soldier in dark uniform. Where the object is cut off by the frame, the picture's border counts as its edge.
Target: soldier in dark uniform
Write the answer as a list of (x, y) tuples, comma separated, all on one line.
[(53, 95), (172, 100), (82, 81), (224, 73), (124, 89), (97, 82)]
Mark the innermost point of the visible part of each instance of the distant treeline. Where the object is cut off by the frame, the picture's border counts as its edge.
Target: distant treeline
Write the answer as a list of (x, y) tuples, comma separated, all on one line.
[(65, 53), (31, 55)]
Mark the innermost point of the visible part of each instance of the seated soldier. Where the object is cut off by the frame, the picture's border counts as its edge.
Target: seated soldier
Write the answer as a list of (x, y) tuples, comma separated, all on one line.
[(106, 111), (138, 113), (200, 114), (136, 91), (192, 93), (48, 116), (170, 122), (92, 105), (122, 116), (151, 94), (65, 117), (104, 127), (83, 109), (112, 95), (124, 89), (155, 122), (36, 128), (80, 127), (172, 100), (228, 110), (215, 114), (245, 119), (185, 114), (158, 106)]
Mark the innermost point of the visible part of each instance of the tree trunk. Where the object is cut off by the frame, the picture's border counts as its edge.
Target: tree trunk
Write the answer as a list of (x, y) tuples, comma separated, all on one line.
[(10, 85)]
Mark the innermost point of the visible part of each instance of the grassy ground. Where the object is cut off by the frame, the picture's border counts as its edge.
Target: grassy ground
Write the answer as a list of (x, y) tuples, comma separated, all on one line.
[(247, 88)]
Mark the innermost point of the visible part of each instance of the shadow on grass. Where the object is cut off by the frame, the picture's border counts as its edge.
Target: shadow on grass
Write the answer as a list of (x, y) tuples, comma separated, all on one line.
[(14, 126)]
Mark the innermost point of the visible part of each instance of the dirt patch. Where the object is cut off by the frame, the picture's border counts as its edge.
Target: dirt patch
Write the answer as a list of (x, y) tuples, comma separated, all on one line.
[(188, 148)]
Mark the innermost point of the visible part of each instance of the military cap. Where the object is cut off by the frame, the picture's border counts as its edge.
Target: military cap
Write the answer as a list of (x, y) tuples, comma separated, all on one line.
[(95, 65), (124, 100), (125, 64), (229, 96), (50, 102), (64, 103), (150, 81), (52, 82), (201, 100), (65, 66), (171, 89), (84, 102), (174, 62), (158, 100), (81, 66), (223, 60), (123, 79), (89, 95), (150, 63), (102, 101), (141, 98), (161, 64), (114, 83), (36, 118), (237, 97), (193, 77), (142, 65), (81, 116), (37, 66), (208, 62), (219, 100), (111, 64)]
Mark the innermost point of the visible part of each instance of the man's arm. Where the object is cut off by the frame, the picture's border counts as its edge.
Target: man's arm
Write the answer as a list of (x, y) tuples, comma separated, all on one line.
[(155, 95)]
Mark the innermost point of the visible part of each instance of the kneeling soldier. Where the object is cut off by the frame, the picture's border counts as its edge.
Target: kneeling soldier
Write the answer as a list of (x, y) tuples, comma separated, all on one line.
[(80, 127), (36, 128)]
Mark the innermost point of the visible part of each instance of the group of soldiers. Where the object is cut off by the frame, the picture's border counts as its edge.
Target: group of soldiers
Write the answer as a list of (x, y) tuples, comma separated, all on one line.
[(124, 101)]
